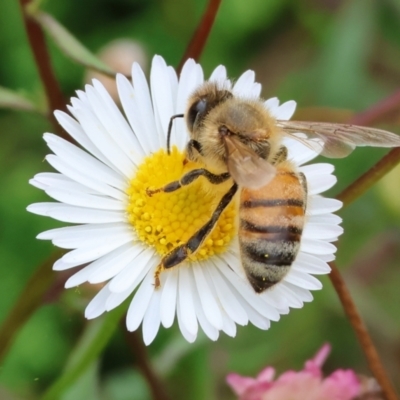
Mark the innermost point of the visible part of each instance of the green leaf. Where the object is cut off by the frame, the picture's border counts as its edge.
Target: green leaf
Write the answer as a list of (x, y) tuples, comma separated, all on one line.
[(69, 45), (92, 342), (16, 101)]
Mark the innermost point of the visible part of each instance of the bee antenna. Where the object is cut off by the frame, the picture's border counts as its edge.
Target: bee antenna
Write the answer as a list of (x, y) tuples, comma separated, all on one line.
[(169, 131)]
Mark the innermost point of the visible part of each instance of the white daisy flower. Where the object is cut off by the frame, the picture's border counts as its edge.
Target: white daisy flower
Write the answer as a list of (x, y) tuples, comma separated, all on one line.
[(123, 233)]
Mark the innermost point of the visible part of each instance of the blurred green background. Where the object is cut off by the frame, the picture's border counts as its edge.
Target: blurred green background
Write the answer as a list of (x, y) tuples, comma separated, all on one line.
[(335, 58)]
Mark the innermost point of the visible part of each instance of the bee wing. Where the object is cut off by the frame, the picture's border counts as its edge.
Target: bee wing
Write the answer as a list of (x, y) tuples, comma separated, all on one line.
[(245, 166), (338, 140)]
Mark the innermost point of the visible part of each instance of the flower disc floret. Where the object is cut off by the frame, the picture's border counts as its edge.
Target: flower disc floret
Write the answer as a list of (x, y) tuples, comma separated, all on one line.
[(166, 220)]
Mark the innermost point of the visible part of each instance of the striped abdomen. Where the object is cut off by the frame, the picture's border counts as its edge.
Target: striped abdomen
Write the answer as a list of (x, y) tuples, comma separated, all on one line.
[(270, 227)]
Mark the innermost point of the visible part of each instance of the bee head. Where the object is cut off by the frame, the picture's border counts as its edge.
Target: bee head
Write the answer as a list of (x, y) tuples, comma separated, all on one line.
[(204, 99)]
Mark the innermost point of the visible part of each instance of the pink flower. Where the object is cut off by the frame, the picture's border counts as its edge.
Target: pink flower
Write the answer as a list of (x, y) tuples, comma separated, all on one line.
[(308, 384)]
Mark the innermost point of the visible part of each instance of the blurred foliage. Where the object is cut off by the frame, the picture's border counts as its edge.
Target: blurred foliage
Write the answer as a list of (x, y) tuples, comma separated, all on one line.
[(335, 57)]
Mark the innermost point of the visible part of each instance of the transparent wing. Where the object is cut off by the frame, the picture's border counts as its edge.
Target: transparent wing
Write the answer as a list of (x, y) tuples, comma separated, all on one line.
[(245, 166), (338, 140)]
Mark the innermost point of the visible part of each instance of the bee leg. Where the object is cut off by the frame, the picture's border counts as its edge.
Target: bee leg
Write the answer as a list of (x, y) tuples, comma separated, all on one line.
[(280, 156), (303, 181), (188, 178), (191, 147), (182, 252)]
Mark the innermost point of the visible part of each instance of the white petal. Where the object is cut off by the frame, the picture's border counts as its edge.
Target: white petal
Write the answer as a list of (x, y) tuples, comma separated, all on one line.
[(91, 253), (73, 155), (161, 93), (83, 178), (304, 280), (185, 301), (218, 75), (205, 325), (77, 215), (322, 205), (151, 320), (168, 297), (190, 337), (310, 264), (80, 232), (320, 184), (85, 200), (104, 142), (113, 263), (319, 178), (97, 306), (76, 131), (272, 105), (244, 289), (115, 299), (90, 237), (84, 274), (229, 327), (303, 294), (210, 307), (130, 273), (61, 265), (254, 316), (323, 219), (285, 110), (140, 302), (227, 299), (191, 77), (321, 231), (59, 181), (137, 106), (326, 257), (292, 299), (244, 84), (314, 246), (112, 119)]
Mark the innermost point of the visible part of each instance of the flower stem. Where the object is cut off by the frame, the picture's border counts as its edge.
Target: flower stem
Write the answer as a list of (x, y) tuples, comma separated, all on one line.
[(40, 52), (27, 303), (139, 350), (378, 110), (198, 41), (362, 334), (347, 196), (365, 181)]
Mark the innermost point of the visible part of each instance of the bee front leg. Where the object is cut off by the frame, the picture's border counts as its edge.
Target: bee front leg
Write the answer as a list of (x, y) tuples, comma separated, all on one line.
[(182, 252), (188, 178)]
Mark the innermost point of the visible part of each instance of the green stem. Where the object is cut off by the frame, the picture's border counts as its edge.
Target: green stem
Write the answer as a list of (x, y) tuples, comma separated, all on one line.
[(28, 302)]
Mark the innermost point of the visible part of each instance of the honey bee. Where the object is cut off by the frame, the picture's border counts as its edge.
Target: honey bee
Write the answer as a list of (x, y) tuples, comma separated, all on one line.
[(239, 140)]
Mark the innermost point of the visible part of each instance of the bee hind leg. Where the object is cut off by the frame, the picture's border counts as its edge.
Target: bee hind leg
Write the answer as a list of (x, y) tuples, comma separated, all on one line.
[(190, 177), (183, 251)]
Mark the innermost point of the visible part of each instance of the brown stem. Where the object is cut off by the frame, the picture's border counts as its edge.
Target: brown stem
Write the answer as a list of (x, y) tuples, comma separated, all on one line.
[(38, 45), (365, 181), (139, 350), (198, 41), (361, 332), (378, 110)]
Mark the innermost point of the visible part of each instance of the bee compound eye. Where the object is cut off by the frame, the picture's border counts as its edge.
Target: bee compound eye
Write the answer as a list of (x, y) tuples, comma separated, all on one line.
[(197, 110)]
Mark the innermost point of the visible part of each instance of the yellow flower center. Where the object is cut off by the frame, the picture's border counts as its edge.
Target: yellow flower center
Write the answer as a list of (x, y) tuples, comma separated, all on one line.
[(166, 220)]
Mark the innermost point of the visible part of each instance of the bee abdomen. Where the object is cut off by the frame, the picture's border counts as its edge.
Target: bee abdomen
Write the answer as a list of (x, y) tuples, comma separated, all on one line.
[(270, 229), (266, 263)]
